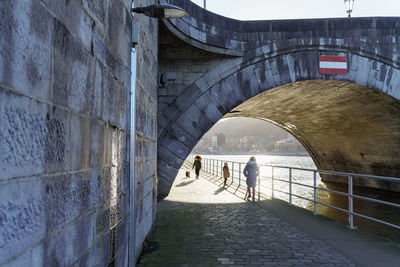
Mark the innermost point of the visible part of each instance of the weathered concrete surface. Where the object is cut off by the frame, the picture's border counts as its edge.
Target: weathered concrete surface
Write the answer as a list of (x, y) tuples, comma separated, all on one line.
[(64, 110), (217, 63)]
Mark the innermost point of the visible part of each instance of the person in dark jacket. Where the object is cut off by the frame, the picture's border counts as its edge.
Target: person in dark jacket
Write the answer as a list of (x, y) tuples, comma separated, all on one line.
[(251, 173), (197, 166)]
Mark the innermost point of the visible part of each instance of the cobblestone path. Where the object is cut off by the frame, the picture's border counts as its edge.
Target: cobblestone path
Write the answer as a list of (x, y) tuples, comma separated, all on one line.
[(200, 224)]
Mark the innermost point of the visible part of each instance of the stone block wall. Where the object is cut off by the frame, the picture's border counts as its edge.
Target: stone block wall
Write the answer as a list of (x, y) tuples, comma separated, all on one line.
[(146, 125), (186, 73), (64, 111)]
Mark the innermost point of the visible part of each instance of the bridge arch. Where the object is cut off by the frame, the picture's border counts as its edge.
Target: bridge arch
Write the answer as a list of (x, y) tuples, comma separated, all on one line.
[(361, 108)]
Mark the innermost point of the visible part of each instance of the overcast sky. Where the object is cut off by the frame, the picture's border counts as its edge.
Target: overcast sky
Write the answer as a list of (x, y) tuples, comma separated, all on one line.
[(292, 9)]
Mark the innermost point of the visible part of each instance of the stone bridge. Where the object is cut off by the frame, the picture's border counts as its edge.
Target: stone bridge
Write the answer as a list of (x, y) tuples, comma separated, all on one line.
[(213, 67)]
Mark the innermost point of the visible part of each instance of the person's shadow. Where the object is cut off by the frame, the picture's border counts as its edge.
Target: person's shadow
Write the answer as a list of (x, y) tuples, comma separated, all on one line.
[(184, 183), (219, 190)]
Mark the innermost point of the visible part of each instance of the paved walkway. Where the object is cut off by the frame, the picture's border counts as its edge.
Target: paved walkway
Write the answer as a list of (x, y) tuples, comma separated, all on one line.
[(201, 224)]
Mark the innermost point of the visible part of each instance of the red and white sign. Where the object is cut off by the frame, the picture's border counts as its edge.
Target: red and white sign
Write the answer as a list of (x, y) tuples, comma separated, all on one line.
[(333, 64)]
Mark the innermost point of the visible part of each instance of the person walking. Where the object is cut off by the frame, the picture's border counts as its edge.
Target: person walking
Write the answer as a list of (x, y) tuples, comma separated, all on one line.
[(225, 172), (251, 173), (197, 165)]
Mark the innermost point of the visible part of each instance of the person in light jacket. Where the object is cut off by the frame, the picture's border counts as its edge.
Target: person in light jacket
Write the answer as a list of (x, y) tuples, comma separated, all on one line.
[(251, 173), (225, 172)]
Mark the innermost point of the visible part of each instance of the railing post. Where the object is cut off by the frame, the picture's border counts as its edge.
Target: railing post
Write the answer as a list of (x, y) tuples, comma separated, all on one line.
[(290, 186), (351, 222), (315, 193), (213, 171), (240, 172), (272, 182), (259, 182), (233, 170)]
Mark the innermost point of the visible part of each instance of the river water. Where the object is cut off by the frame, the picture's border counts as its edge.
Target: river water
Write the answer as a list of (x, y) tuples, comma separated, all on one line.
[(375, 210)]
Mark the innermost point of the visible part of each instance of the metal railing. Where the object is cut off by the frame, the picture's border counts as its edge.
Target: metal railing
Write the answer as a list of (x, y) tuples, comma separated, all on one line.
[(214, 166)]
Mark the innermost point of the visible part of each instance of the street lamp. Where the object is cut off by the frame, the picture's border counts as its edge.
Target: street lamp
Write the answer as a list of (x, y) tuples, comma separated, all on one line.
[(349, 6), (161, 11)]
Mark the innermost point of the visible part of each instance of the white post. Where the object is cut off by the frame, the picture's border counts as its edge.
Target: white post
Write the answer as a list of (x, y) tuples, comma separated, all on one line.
[(290, 186), (240, 172), (351, 222), (213, 171), (259, 182), (272, 182), (233, 170), (315, 193)]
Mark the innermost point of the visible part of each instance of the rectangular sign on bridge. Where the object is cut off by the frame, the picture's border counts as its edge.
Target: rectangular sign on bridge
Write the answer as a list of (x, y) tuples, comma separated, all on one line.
[(333, 64)]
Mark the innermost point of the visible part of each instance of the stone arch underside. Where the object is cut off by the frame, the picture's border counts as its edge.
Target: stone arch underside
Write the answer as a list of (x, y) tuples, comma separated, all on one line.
[(344, 126), (346, 122)]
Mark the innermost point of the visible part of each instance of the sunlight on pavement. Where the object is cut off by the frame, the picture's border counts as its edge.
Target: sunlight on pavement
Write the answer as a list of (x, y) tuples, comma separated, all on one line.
[(182, 192)]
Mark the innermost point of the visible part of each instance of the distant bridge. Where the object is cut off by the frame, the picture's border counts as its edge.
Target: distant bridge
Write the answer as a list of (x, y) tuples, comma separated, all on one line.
[(213, 67)]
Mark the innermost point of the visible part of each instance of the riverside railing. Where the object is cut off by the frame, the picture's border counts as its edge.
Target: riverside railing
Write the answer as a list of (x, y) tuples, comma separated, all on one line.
[(270, 181)]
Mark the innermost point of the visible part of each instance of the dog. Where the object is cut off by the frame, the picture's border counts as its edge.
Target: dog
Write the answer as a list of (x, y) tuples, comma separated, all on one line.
[(187, 174)]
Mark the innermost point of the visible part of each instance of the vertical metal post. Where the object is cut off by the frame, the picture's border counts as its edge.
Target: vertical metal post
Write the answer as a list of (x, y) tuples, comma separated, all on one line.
[(290, 186), (233, 170), (213, 171), (204, 4), (272, 182), (351, 222), (131, 157), (240, 172), (315, 193), (259, 182)]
